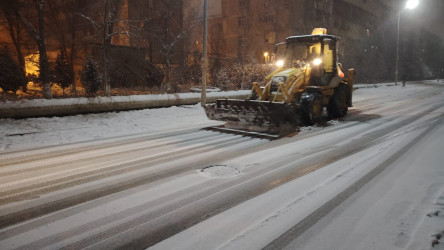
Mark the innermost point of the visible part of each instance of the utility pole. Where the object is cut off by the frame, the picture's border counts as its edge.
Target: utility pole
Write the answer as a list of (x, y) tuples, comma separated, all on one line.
[(204, 67), (441, 55), (397, 51)]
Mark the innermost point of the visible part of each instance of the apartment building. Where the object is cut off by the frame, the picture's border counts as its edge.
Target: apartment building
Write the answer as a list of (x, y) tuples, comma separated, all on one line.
[(246, 31)]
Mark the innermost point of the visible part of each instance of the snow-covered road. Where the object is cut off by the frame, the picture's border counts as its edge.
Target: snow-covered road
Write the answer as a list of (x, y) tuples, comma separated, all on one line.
[(154, 178)]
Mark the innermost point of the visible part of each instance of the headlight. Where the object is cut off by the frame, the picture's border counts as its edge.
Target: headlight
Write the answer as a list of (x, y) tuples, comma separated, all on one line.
[(280, 63), (317, 61)]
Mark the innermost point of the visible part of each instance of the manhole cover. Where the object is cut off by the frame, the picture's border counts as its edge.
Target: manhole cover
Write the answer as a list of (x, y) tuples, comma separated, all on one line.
[(220, 171)]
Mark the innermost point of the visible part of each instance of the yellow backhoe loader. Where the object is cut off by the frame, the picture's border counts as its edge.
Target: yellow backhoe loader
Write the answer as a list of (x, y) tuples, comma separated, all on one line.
[(308, 79)]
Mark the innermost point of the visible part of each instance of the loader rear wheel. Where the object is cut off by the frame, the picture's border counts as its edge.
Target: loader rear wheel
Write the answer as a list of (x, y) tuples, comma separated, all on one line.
[(337, 107), (312, 109)]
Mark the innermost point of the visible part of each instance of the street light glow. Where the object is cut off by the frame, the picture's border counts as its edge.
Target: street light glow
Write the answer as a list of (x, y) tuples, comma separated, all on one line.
[(280, 63), (411, 4)]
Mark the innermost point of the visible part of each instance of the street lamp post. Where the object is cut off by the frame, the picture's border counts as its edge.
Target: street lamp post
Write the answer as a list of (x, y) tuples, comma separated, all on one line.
[(204, 67), (441, 69), (411, 4)]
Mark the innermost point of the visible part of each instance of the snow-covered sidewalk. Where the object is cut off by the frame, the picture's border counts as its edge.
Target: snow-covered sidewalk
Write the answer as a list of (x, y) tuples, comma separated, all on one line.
[(29, 133)]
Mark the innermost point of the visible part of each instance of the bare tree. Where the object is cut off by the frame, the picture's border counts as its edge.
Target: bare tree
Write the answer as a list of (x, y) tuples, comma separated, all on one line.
[(109, 20), (38, 33), (107, 30), (166, 31), (66, 24), (11, 21), (168, 39)]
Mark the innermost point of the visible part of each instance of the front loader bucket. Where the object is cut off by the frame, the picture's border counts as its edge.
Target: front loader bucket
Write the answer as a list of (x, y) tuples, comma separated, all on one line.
[(257, 116)]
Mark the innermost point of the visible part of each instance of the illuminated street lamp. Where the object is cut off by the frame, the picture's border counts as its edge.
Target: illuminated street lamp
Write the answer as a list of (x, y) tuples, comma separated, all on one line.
[(266, 54), (411, 4)]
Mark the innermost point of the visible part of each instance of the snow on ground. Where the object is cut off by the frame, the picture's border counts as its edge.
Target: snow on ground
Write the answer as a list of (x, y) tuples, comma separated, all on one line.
[(401, 209), (39, 132), (245, 228)]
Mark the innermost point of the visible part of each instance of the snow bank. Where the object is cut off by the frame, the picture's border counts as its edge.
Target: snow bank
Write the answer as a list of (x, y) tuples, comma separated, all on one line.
[(71, 106)]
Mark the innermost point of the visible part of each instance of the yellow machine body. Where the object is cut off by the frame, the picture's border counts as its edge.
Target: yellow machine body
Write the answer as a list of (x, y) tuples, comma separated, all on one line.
[(308, 79)]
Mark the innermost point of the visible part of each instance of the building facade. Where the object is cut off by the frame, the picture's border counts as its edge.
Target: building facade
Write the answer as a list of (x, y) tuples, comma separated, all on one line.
[(245, 31)]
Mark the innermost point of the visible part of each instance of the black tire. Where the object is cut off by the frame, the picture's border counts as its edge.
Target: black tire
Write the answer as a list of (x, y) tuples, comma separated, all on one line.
[(337, 107), (312, 108)]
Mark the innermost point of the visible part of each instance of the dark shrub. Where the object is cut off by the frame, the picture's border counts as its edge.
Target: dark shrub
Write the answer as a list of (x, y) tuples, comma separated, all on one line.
[(91, 78), (62, 73), (11, 76)]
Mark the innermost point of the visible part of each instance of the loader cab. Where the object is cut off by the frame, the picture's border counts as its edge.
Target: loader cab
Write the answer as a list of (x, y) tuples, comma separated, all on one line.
[(323, 64), (318, 51)]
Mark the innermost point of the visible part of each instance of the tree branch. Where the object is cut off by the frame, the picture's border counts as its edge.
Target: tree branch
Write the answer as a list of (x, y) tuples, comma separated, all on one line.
[(119, 33), (29, 27), (94, 23)]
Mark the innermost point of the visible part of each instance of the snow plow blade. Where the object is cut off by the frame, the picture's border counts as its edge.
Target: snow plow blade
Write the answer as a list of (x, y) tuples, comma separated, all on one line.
[(275, 118)]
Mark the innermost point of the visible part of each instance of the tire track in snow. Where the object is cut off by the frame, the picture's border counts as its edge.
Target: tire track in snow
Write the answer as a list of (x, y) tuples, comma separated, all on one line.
[(22, 156), (314, 217), (359, 146), (280, 181), (269, 178), (103, 190), (156, 153), (233, 190), (102, 153)]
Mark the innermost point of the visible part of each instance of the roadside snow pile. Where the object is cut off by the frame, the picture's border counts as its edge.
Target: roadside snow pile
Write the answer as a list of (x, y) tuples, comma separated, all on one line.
[(73, 106), (114, 99)]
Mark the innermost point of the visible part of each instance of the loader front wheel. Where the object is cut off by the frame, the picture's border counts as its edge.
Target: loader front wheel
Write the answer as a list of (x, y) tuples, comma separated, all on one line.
[(337, 107), (312, 109)]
